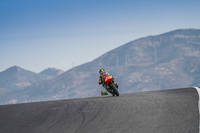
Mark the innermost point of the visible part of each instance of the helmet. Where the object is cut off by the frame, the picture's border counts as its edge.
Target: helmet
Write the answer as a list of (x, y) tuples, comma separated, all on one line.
[(101, 70)]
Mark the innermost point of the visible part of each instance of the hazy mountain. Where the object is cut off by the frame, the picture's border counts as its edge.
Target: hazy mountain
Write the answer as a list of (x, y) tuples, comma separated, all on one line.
[(52, 72), (166, 61), (18, 78), (15, 79)]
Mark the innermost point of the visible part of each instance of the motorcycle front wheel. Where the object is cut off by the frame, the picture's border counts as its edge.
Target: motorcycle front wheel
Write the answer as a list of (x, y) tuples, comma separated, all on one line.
[(114, 89)]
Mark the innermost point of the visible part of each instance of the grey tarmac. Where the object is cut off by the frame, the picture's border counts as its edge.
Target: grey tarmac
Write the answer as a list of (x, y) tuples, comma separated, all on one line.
[(165, 111)]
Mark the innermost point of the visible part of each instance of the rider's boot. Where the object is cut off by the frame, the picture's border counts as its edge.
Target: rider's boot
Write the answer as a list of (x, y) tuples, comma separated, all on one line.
[(116, 84), (107, 87)]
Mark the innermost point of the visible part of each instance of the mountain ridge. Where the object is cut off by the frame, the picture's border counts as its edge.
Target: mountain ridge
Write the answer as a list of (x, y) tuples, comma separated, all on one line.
[(52, 72), (16, 77), (165, 61)]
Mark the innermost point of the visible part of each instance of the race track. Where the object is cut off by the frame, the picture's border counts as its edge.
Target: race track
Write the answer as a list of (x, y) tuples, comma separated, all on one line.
[(168, 111)]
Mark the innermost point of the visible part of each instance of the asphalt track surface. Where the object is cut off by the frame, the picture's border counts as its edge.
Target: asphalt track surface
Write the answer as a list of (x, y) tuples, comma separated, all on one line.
[(168, 111)]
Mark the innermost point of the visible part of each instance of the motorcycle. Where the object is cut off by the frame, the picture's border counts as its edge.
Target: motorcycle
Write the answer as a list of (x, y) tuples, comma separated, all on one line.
[(113, 89)]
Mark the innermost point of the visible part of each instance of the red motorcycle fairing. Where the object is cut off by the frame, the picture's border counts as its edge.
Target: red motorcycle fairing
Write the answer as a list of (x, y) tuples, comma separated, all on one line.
[(108, 79)]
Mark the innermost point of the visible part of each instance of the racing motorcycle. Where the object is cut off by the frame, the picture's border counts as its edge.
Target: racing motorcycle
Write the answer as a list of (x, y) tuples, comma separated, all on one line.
[(112, 88)]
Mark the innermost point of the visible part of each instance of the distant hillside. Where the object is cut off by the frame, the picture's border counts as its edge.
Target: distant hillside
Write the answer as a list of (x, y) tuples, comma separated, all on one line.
[(166, 61), (52, 72), (17, 78)]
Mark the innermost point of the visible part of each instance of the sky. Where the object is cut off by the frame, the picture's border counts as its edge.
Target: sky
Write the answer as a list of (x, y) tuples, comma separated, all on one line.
[(38, 34)]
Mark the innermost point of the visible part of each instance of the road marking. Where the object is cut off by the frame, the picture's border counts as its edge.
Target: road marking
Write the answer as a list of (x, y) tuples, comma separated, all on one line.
[(198, 90)]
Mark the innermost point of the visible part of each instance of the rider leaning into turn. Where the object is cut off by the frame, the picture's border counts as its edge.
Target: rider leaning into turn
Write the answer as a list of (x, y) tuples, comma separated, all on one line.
[(103, 73)]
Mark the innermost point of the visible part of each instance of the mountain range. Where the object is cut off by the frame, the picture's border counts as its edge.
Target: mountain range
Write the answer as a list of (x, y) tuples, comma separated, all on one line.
[(15, 78), (52, 72), (165, 61)]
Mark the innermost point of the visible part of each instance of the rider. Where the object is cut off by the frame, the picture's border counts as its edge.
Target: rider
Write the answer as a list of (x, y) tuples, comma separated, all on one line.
[(102, 75)]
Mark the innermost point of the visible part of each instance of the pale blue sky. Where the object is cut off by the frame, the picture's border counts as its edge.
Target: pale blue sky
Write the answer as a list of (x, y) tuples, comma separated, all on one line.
[(37, 34)]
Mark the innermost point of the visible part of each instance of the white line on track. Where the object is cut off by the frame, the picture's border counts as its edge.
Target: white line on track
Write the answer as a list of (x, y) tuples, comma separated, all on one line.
[(198, 90)]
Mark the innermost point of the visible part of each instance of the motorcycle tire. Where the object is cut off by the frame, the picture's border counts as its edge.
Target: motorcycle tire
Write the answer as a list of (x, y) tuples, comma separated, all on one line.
[(113, 94), (114, 89)]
